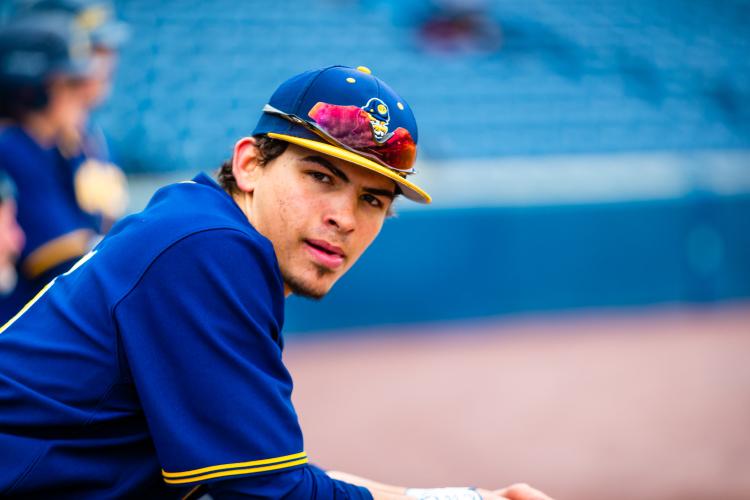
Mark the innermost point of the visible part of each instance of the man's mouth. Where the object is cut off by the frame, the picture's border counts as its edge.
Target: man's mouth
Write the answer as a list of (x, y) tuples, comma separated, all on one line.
[(325, 254)]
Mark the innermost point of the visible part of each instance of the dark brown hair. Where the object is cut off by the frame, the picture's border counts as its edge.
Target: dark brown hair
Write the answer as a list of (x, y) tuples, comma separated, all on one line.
[(268, 149)]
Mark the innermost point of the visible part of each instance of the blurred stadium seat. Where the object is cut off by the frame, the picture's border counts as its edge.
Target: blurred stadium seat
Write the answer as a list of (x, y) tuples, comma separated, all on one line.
[(574, 77)]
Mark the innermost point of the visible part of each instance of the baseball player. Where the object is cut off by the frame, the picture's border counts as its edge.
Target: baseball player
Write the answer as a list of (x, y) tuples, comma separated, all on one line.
[(153, 367), (46, 64), (100, 185)]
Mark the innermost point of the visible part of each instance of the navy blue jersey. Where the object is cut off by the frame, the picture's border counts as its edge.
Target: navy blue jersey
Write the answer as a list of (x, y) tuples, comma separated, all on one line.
[(58, 231), (156, 361)]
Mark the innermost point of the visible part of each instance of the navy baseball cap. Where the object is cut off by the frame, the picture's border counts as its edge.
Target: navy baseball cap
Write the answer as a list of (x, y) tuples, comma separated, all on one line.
[(97, 17), (35, 48), (349, 114)]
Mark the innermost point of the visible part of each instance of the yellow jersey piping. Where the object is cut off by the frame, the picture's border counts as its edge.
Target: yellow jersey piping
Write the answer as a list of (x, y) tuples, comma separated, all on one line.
[(236, 468)]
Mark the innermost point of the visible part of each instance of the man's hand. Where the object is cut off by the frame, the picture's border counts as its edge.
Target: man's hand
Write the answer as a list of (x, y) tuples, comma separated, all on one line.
[(519, 491)]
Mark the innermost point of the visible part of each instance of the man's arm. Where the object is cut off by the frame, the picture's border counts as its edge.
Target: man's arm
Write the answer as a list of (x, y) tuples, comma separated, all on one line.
[(199, 334), (311, 483), (306, 483)]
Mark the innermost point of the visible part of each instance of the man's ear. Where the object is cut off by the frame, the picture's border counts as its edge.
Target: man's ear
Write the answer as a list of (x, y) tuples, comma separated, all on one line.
[(245, 164)]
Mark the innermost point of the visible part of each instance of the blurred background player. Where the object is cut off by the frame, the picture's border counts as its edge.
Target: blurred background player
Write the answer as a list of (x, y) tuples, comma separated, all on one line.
[(46, 62), (52, 74), (100, 184)]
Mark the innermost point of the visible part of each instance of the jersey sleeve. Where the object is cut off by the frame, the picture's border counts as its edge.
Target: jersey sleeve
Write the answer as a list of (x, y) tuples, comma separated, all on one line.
[(308, 483), (201, 341)]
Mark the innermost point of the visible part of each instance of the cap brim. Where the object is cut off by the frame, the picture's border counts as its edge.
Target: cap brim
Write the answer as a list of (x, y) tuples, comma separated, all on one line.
[(409, 190)]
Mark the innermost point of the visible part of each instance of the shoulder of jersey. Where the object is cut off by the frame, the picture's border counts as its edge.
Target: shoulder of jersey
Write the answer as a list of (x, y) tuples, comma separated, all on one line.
[(185, 208)]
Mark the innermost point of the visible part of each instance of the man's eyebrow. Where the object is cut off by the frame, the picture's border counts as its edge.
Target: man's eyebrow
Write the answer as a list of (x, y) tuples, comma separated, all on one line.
[(327, 164), (382, 192), (341, 175)]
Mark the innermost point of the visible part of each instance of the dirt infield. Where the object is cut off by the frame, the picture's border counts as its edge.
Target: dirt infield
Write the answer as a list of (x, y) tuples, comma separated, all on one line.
[(650, 404)]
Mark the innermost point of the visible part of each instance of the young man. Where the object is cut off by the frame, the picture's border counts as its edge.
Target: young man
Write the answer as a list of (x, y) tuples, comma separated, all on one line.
[(100, 185), (154, 364), (46, 60)]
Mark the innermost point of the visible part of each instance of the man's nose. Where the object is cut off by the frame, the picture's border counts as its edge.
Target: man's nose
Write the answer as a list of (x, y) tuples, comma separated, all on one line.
[(341, 214)]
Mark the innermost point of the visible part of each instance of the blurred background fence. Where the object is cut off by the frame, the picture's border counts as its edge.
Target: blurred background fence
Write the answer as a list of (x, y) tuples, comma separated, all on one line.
[(581, 154)]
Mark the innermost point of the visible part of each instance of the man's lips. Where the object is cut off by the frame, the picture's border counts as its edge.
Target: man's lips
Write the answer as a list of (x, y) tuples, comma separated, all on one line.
[(325, 254)]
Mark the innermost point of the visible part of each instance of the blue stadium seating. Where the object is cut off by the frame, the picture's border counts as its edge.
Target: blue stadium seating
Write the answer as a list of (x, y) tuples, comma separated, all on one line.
[(581, 76)]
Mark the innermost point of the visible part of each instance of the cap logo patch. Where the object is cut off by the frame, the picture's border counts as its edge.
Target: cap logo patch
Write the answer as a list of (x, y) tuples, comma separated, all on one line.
[(379, 116)]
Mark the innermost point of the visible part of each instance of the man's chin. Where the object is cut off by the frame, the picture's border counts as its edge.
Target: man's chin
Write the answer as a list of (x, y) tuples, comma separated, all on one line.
[(314, 289)]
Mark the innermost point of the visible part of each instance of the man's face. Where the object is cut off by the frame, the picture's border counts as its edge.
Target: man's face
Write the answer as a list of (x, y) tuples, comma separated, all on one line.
[(67, 109), (320, 214)]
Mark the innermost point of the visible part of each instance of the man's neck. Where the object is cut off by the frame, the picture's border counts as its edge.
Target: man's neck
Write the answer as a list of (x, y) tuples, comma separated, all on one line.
[(38, 126), (242, 200)]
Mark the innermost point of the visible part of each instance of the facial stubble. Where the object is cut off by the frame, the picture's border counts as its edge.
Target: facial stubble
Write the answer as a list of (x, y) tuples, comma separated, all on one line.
[(303, 289)]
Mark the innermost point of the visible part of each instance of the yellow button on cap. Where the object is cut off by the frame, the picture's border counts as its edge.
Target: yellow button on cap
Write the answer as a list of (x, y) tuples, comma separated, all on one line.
[(364, 69)]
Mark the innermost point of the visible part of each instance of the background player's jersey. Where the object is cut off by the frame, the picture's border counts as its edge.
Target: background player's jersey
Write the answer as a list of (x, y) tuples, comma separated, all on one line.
[(58, 231), (156, 359)]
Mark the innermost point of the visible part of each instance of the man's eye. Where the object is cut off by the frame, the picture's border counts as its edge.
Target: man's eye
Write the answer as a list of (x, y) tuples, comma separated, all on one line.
[(372, 200), (320, 176)]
